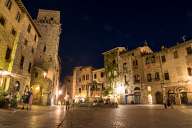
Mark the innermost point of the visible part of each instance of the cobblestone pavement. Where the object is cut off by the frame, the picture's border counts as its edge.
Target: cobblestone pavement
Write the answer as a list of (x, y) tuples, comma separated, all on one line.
[(127, 116)]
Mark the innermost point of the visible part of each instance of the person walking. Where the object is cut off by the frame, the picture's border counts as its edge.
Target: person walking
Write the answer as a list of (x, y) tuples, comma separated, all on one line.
[(67, 98), (165, 102), (30, 102)]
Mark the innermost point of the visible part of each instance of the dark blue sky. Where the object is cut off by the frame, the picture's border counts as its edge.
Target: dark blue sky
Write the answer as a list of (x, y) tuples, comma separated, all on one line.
[(90, 27)]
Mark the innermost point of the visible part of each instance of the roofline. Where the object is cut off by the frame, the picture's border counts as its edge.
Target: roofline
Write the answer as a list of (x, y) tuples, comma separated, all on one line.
[(22, 7), (113, 49)]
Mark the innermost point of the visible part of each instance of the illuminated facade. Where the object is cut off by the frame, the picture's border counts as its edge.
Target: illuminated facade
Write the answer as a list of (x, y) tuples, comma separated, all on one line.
[(46, 59), (18, 41), (143, 76)]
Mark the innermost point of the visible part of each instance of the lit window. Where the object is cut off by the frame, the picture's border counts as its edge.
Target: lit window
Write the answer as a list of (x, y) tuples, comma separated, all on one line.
[(8, 4)]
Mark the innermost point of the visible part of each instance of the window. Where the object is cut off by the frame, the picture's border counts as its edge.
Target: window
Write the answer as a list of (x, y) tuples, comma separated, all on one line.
[(95, 76), (35, 38), (163, 59), (135, 63), (83, 77), (25, 42), (32, 50), (136, 78), (189, 71), (157, 77), (13, 32), (175, 54), (102, 74), (8, 54), (29, 68), (125, 77), (2, 21), (114, 62), (166, 75), (87, 77), (189, 50), (8, 4), (21, 62), (152, 59), (29, 28), (36, 74), (18, 17), (124, 65), (149, 78), (79, 90), (44, 49)]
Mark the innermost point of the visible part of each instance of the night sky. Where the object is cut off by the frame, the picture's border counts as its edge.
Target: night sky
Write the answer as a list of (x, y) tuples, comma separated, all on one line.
[(90, 27)]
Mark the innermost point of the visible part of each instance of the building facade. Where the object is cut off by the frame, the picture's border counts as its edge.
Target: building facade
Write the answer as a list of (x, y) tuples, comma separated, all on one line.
[(46, 80), (143, 76), (18, 42)]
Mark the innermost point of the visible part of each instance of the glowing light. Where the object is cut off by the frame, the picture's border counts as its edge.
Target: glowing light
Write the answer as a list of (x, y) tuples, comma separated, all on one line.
[(44, 74), (150, 100), (60, 92), (37, 88), (120, 90)]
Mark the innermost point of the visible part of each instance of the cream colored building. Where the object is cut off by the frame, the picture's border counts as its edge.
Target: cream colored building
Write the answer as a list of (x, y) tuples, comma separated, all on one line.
[(82, 80), (18, 41), (98, 84), (124, 73), (143, 76), (47, 79)]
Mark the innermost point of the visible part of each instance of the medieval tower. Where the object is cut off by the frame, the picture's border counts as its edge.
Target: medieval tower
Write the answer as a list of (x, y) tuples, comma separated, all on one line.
[(45, 77)]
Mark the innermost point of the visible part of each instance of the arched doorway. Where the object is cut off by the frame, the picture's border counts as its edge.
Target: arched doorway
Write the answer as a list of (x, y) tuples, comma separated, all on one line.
[(171, 95), (137, 95), (182, 91), (159, 97)]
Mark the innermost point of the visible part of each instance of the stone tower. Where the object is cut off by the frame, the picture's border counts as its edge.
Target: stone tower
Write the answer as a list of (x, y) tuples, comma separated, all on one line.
[(46, 60)]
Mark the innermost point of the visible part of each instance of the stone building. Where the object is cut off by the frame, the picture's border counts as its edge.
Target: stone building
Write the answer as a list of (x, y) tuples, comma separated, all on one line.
[(143, 76), (18, 41), (124, 72), (46, 70), (170, 74), (82, 80), (98, 84)]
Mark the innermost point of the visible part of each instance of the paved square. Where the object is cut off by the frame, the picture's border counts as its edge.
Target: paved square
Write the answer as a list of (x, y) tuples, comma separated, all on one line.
[(126, 116)]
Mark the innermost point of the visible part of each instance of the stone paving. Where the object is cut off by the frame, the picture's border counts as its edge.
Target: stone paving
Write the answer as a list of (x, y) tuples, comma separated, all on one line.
[(126, 116)]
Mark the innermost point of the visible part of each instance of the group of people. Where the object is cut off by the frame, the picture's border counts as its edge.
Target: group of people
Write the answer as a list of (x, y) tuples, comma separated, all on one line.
[(27, 98), (168, 102)]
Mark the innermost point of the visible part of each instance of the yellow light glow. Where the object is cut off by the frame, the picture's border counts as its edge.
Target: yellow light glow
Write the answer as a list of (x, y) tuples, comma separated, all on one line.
[(60, 92), (120, 90), (37, 88), (44, 74)]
